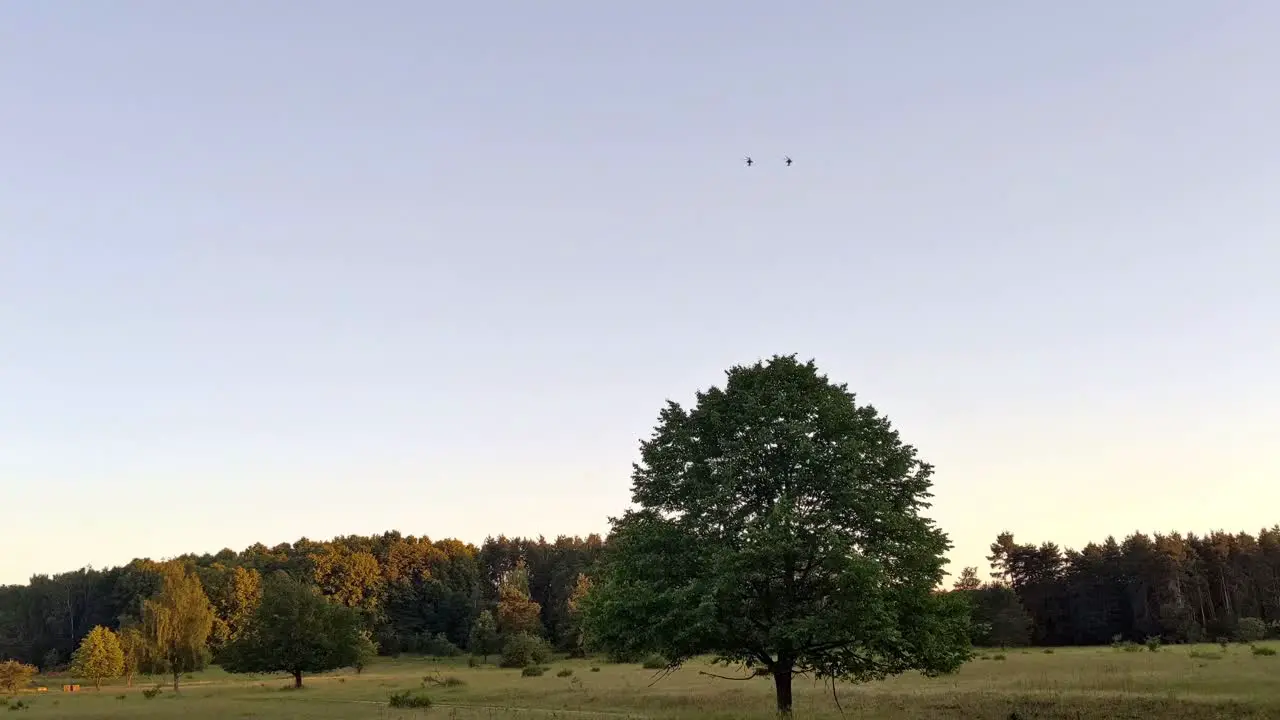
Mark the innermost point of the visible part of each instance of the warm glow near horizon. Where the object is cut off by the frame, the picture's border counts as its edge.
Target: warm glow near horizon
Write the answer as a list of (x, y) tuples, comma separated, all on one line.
[(436, 270)]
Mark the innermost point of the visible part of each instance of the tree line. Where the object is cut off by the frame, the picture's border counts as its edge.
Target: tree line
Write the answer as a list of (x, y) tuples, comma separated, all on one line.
[(1179, 588), (414, 595), (777, 524), (423, 596)]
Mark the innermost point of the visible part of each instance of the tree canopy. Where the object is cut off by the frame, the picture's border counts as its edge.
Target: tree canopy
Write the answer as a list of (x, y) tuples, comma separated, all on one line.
[(517, 613), (296, 629), (177, 622), (15, 675), (99, 657), (778, 526)]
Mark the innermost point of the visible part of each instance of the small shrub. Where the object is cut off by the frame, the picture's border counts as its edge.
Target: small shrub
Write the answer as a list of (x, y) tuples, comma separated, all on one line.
[(523, 650), (473, 661), (999, 656), (1263, 650), (532, 671), (1251, 630), (595, 669), (564, 673), (1048, 651), (1199, 655), (151, 693), (15, 676), (447, 681), (1131, 647), (409, 699), (1222, 642), (654, 662), (439, 646), (1153, 643)]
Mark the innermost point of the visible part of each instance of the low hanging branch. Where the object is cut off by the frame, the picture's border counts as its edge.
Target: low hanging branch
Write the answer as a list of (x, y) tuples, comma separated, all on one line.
[(752, 676)]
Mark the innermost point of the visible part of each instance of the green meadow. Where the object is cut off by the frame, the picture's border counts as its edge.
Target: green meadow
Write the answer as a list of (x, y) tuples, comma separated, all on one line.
[(1185, 681)]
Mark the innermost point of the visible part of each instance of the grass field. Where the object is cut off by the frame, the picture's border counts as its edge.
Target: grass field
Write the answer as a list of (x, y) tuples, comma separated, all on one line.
[(1180, 682)]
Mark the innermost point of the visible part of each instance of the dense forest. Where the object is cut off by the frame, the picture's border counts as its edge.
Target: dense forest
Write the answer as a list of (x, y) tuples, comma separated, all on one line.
[(1191, 588), (424, 596), (418, 595)]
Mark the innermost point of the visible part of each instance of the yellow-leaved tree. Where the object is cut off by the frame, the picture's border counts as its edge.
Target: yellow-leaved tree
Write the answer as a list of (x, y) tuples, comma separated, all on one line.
[(99, 657), (15, 675), (517, 613), (176, 622), (133, 645)]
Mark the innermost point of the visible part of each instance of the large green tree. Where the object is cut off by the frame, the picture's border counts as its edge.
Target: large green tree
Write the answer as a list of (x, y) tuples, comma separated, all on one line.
[(99, 657), (778, 526), (177, 621), (296, 629)]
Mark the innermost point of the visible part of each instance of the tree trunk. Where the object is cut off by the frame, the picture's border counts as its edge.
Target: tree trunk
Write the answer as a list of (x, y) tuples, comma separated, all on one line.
[(782, 687), (176, 675), (297, 678)]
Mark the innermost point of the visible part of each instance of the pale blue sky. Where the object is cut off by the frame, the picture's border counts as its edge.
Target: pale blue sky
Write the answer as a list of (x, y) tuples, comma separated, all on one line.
[(307, 268)]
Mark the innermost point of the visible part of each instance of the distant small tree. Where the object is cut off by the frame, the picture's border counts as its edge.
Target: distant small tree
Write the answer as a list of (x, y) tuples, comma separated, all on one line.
[(968, 580), (15, 675), (133, 648), (99, 657), (999, 617), (516, 612), (1251, 629), (177, 622), (365, 653), (484, 636), (523, 649), (295, 629), (577, 641)]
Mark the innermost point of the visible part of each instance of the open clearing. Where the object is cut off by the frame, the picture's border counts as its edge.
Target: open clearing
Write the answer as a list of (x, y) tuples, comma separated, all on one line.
[(1077, 683)]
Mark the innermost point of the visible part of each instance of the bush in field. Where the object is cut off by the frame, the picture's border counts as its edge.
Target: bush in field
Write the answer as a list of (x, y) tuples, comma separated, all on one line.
[(438, 645), (523, 650), (15, 675), (409, 699), (1251, 630)]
